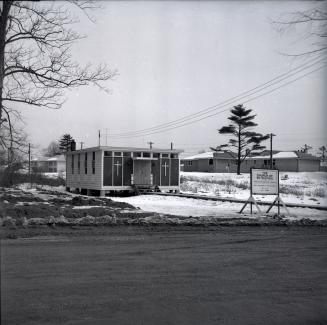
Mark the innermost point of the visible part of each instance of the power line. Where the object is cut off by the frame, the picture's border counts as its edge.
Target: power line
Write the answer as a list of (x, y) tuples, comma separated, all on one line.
[(245, 94), (166, 128)]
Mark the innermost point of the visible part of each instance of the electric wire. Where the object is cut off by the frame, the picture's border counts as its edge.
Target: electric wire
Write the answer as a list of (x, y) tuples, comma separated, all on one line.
[(167, 128), (245, 94)]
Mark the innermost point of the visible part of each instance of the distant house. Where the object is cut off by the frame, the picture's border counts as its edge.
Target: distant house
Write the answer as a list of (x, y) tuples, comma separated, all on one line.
[(287, 161), (225, 162), (211, 162), (323, 166), (56, 164)]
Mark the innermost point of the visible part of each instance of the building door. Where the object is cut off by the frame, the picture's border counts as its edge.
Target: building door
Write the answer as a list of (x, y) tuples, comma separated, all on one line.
[(142, 172)]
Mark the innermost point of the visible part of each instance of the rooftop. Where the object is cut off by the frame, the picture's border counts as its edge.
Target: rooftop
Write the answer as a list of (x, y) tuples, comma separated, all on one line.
[(109, 148), (54, 158)]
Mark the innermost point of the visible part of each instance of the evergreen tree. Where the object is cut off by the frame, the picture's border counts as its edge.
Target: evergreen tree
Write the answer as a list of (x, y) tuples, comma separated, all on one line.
[(65, 142), (243, 139)]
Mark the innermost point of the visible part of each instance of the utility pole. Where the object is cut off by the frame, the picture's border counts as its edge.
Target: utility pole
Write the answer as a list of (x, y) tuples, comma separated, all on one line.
[(29, 164), (271, 153), (106, 137), (171, 146), (99, 137), (150, 143), (81, 144)]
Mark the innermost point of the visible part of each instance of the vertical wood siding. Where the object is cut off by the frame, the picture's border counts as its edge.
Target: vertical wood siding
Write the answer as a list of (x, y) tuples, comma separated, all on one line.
[(82, 180)]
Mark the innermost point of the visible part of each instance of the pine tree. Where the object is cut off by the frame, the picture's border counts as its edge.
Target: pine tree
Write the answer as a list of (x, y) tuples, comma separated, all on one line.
[(244, 140), (65, 142)]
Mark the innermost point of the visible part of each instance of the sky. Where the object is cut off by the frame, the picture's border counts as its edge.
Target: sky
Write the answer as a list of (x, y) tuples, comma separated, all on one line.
[(177, 58)]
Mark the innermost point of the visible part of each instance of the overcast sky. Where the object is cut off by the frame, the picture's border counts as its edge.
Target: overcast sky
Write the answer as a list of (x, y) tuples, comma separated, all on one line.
[(177, 58)]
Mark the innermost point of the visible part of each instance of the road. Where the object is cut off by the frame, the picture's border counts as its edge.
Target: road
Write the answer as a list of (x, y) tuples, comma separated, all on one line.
[(131, 275)]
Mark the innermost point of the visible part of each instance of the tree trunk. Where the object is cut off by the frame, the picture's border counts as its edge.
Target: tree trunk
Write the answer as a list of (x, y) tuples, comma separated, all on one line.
[(239, 151), (3, 25)]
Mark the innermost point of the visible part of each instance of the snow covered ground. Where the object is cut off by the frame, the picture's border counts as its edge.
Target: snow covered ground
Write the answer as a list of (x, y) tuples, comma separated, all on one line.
[(203, 208), (305, 188)]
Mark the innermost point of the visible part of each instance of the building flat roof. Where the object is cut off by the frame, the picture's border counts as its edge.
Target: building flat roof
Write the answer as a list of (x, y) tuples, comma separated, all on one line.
[(204, 155), (212, 154), (127, 149), (279, 155), (55, 158)]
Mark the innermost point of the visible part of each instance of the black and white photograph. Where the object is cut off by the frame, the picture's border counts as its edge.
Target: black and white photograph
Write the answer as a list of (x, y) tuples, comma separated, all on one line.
[(163, 162)]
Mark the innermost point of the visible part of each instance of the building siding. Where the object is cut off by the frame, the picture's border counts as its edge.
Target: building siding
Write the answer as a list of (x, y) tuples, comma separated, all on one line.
[(223, 165), (108, 164), (82, 180), (308, 165)]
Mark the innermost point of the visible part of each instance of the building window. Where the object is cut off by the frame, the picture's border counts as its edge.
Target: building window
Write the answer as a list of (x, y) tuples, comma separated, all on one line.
[(173, 155), (210, 161), (137, 154), (117, 154), (190, 162), (93, 162), (146, 154), (254, 161), (127, 154), (79, 163), (165, 155), (85, 163), (156, 155), (73, 156), (108, 153)]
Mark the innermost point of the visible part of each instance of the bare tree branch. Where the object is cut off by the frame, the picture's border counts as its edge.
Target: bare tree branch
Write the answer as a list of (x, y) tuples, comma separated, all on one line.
[(36, 64)]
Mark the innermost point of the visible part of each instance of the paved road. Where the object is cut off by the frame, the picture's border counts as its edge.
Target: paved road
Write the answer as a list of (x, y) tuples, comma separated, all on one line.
[(244, 275)]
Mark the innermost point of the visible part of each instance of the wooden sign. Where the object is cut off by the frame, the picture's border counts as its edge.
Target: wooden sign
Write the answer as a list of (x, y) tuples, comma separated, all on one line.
[(265, 181)]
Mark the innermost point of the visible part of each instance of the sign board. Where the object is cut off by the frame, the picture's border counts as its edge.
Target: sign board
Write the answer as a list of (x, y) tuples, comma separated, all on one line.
[(264, 181)]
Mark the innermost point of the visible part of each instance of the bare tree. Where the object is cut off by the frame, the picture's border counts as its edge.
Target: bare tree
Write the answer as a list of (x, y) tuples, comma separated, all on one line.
[(306, 148), (36, 64), (313, 25), (52, 149)]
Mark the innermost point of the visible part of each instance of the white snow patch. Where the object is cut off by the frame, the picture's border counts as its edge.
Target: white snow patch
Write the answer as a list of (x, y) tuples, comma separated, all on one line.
[(82, 207)]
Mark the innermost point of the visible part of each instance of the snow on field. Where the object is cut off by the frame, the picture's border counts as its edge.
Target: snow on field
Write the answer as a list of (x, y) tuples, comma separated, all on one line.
[(307, 187), (202, 208)]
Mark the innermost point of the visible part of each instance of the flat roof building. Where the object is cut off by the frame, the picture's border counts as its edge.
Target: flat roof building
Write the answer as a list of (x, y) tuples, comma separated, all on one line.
[(104, 169)]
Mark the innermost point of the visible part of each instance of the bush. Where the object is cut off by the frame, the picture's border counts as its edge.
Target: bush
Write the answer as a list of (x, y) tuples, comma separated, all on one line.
[(289, 189), (9, 178), (318, 192)]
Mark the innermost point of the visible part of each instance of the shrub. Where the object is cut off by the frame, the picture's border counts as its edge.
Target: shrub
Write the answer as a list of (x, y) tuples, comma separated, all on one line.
[(318, 192), (8, 179), (289, 189)]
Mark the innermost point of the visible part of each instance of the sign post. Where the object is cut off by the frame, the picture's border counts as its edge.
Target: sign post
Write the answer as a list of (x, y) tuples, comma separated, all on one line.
[(264, 182)]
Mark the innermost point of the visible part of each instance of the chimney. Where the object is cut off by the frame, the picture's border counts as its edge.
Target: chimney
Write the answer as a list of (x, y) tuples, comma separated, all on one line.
[(73, 146)]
